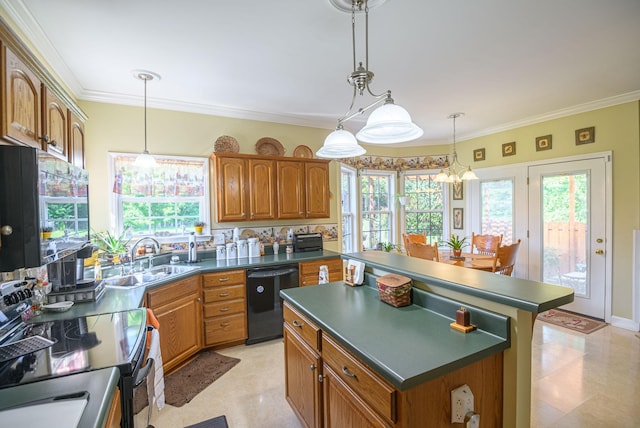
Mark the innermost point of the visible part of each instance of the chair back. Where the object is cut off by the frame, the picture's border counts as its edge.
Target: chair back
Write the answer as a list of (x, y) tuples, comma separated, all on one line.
[(505, 259), (423, 251), (485, 244), (415, 237)]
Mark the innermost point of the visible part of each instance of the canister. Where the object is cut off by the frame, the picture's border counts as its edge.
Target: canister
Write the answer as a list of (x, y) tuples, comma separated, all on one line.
[(231, 251), (221, 252)]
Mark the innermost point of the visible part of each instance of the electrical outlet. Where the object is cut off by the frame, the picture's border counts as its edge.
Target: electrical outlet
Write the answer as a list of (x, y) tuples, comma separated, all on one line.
[(461, 403)]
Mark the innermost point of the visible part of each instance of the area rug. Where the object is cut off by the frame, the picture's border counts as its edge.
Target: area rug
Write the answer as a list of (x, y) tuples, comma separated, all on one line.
[(219, 422), (571, 321), (182, 385)]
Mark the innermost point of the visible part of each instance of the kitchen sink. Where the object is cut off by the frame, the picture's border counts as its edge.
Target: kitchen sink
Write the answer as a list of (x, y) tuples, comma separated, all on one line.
[(148, 276)]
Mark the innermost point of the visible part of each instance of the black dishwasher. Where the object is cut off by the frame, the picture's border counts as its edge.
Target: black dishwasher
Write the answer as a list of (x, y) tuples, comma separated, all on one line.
[(264, 305)]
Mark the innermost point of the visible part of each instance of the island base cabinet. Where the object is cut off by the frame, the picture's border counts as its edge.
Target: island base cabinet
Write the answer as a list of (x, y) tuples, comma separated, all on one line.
[(343, 407), (302, 379)]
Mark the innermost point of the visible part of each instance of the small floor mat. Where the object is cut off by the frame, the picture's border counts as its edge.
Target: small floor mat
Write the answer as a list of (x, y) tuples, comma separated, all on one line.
[(571, 321), (219, 422)]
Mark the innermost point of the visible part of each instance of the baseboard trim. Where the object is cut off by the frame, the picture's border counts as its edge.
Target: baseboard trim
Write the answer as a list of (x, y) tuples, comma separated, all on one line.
[(625, 323)]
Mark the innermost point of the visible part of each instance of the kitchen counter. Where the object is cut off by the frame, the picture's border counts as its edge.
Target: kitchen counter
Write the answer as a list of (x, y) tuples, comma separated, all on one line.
[(407, 346), (100, 384)]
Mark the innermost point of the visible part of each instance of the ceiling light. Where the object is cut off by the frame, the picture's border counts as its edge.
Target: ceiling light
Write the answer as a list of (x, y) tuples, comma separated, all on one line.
[(145, 160), (456, 171), (389, 123)]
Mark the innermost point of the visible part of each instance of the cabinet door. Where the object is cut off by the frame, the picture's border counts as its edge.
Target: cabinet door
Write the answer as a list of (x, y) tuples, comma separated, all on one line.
[(54, 129), (231, 189), (76, 141), (262, 189), (343, 408), (291, 194), (317, 189), (302, 387), (21, 117)]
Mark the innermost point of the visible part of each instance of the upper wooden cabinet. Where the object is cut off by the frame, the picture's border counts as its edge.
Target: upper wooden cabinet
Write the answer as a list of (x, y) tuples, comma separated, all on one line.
[(21, 120), (303, 189), (55, 126), (252, 187), (76, 140)]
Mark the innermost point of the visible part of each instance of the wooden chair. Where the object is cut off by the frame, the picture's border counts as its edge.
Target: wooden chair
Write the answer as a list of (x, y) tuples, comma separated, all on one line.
[(423, 251), (415, 237), (505, 259), (485, 244)]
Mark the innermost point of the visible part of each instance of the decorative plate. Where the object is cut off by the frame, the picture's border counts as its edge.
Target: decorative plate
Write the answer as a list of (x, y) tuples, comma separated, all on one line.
[(303, 151), (267, 146), (58, 307), (226, 144)]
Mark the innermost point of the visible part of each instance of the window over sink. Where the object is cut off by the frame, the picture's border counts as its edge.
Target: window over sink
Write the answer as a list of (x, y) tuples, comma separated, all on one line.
[(166, 199)]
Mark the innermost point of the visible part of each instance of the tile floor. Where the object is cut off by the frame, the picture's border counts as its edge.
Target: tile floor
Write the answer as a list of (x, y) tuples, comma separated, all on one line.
[(578, 381)]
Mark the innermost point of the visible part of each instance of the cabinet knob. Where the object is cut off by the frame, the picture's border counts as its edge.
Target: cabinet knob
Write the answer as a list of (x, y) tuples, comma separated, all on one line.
[(44, 138), (6, 230), (199, 299), (53, 143), (312, 367)]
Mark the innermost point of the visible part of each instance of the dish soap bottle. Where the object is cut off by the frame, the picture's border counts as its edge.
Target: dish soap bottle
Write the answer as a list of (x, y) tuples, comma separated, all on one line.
[(97, 270)]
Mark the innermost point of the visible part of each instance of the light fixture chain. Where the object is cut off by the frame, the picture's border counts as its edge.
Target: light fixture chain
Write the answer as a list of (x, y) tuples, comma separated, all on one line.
[(145, 115)]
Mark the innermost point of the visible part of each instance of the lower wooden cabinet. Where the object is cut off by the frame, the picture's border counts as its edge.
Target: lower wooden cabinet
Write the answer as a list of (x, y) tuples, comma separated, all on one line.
[(225, 307), (303, 373), (178, 308), (115, 411), (309, 271)]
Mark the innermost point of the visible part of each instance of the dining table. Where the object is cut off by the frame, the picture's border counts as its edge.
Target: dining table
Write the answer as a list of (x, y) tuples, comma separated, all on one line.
[(468, 260)]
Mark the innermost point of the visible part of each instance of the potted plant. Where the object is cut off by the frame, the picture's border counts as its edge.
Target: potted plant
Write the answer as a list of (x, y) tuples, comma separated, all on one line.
[(46, 232), (456, 244), (198, 226), (386, 246), (111, 245)]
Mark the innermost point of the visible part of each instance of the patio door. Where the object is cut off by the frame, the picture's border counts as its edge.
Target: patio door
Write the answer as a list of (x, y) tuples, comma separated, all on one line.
[(568, 230)]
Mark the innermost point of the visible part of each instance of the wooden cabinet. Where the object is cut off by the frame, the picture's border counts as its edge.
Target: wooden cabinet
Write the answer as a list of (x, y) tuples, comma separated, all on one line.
[(252, 188), (21, 117), (178, 308), (55, 126), (245, 188), (303, 189), (115, 411), (303, 368), (309, 271), (76, 140), (225, 310)]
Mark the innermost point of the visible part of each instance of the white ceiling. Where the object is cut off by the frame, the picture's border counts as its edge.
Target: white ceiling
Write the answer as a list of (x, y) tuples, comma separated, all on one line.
[(505, 63)]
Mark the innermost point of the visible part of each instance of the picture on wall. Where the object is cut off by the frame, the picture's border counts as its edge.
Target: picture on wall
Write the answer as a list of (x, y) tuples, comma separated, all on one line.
[(543, 143), (457, 190), (478, 154), (585, 135), (457, 218), (509, 149)]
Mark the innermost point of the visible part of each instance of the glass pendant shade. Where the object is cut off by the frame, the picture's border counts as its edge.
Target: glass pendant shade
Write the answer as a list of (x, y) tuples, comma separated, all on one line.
[(145, 160), (340, 144), (387, 124), (469, 175)]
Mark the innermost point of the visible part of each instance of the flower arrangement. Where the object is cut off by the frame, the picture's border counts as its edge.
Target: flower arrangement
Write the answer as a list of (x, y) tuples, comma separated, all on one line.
[(199, 224)]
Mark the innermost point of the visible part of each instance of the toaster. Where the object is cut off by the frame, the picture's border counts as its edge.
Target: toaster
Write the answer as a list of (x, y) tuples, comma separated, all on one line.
[(307, 242)]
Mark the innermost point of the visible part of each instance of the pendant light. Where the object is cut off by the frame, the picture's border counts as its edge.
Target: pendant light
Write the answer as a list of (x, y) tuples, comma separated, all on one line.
[(145, 160), (452, 174), (389, 123)]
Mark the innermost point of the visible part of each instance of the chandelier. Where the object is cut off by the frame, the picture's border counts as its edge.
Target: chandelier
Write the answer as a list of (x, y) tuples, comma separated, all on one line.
[(452, 173), (387, 124), (145, 160)]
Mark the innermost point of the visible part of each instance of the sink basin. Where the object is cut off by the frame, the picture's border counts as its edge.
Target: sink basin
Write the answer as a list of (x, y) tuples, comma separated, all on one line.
[(148, 276)]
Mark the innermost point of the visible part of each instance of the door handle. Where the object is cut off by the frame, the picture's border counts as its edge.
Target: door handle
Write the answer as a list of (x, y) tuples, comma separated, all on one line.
[(599, 251)]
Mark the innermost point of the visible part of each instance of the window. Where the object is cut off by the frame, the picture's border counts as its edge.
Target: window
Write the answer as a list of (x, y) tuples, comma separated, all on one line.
[(496, 213), (348, 195), (167, 198), (376, 196), (67, 214), (424, 206)]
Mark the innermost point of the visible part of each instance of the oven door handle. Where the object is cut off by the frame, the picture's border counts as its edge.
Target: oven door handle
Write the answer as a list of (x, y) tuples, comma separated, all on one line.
[(144, 370)]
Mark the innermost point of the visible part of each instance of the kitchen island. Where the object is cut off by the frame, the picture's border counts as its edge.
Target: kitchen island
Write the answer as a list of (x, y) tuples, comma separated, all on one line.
[(409, 347)]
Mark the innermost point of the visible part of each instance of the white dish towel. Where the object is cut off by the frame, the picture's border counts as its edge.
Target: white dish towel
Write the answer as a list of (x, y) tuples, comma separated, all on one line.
[(155, 378)]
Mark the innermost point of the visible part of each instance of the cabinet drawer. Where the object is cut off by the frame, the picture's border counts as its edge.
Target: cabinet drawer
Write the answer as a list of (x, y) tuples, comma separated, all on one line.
[(172, 292), (224, 308), (230, 292), (313, 267), (224, 278), (225, 329), (308, 331), (369, 386)]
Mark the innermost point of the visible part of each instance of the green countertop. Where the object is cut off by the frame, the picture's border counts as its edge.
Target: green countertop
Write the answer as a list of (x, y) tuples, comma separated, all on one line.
[(523, 294), (100, 384), (407, 346)]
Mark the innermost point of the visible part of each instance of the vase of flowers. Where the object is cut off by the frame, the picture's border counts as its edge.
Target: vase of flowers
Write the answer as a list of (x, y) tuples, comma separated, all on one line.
[(456, 244), (197, 227), (46, 232)]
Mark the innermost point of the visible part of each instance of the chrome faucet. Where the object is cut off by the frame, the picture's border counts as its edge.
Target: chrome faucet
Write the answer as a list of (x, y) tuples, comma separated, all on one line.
[(156, 246)]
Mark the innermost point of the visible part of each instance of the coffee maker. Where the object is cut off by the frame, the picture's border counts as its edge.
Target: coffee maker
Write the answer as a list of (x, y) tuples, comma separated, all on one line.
[(85, 252), (67, 273)]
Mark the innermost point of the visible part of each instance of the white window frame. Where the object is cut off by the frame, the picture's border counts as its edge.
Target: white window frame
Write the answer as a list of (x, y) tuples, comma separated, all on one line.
[(392, 175), (350, 209), (445, 202)]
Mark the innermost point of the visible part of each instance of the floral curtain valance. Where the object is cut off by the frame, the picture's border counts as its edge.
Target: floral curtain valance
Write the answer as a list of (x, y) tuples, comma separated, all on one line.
[(173, 177), (388, 163)]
